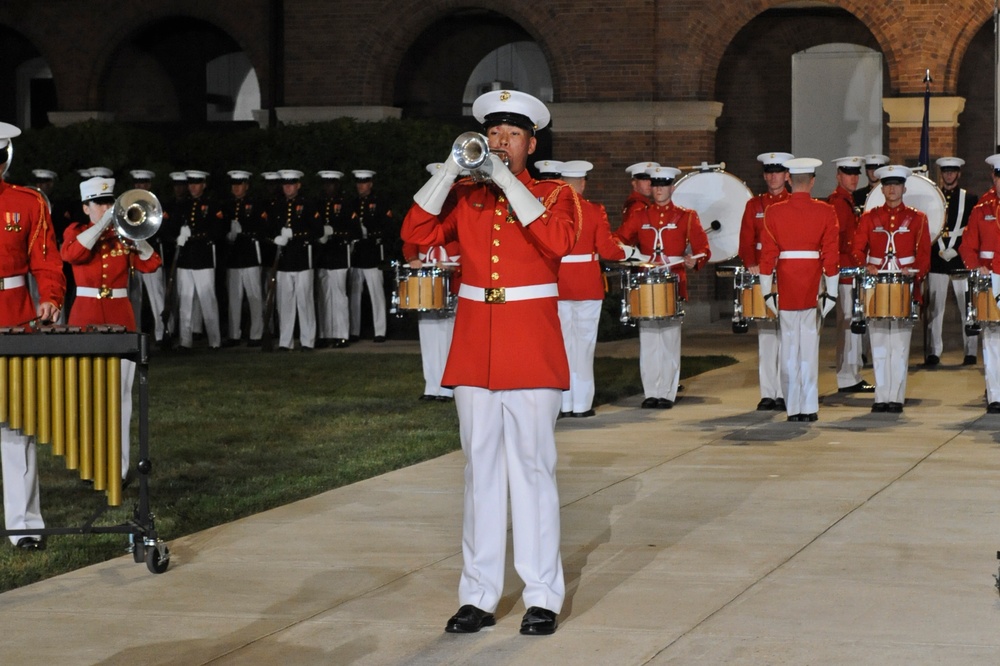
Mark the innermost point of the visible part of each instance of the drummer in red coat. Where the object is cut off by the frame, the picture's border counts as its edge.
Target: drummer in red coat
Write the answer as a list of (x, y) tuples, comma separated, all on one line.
[(979, 252), (507, 361), (663, 232), (581, 292), (27, 245), (800, 242), (892, 238), (641, 196), (101, 262), (751, 229)]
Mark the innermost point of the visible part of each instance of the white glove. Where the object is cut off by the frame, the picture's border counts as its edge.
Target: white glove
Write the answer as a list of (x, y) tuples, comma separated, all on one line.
[(145, 249), (235, 227), (996, 286), (327, 232), (286, 232), (633, 254), (771, 300), (181, 239), (523, 202), (231, 236), (829, 299), (281, 241), (431, 196), (88, 237), (948, 253)]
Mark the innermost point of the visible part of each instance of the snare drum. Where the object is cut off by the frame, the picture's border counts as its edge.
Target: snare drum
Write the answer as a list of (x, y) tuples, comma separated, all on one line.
[(983, 307), (424, 289), (749, 303), (888, 296), (650, 293)]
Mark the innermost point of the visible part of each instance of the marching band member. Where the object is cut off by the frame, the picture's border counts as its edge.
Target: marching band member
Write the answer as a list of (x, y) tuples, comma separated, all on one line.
[(979, 252), (872, 164), (641, 195), (849, 344), (581, 292), (892, 238), (28, 244), (102, 262), (507, 363), (751, 228), (548, 169), (945, 260), (800, 243), (662, 232), (244, 277)]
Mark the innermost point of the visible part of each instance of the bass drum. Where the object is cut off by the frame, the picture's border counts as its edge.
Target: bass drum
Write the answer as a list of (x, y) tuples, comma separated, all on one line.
[(921, 193), (719, 198)]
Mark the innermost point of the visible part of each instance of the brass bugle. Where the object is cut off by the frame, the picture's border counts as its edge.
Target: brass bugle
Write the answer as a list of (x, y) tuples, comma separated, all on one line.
[(137, 214), (471, 151)]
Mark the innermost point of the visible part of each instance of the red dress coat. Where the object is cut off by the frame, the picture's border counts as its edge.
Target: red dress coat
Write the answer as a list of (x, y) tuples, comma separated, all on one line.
[(843, 202), (579, 279), (517, 344), (910, 237), (752, 226), (27, 245), (677, 228), (981, 233), (799, 224), (105, 266), (633, 204)]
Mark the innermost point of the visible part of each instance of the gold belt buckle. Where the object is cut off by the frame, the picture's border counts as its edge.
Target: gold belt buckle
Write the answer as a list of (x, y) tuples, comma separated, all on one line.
[(496, 295), (105, 292)]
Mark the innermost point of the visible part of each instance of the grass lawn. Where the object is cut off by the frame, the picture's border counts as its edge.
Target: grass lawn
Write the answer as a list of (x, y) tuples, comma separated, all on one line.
[(236, 433)]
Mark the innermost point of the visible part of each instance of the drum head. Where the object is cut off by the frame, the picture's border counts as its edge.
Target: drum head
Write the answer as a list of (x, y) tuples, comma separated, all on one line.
[(719, 199), (922, 194)]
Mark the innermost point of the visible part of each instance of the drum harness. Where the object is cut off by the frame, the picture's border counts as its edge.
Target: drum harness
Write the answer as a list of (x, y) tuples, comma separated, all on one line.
[(890, 263), (955, 233)]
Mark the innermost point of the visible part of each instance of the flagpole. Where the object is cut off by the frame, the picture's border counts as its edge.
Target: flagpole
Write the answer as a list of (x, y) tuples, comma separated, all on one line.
[(925, 128)]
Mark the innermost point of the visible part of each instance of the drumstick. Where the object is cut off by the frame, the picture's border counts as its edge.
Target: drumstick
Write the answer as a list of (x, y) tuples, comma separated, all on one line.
[(693, 256)]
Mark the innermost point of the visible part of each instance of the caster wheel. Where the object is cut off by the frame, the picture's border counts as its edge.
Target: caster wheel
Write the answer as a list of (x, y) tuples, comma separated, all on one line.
[(859, 327), (156, 561)]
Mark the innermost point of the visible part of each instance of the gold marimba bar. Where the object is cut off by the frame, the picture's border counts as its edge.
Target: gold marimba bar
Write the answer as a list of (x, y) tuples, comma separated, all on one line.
[(63, 387)]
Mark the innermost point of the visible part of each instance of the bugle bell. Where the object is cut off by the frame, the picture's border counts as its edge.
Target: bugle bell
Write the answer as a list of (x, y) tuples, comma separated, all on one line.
[(471, 151), (137, 214)]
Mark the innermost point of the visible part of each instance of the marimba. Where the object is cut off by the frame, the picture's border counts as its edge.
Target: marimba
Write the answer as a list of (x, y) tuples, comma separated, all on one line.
[(61, 386)]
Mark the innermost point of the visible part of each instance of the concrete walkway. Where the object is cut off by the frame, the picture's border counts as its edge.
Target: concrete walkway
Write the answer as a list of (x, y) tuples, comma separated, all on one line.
[(707, 534)]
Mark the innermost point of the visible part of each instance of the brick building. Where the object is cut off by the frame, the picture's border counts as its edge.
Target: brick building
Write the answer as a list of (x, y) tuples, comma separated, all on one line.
[(681, 82)]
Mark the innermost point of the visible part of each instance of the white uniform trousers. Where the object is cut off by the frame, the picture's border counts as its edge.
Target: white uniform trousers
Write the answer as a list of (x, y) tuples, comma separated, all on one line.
[(579, 321), (991, 362), (333, 312), (769, 359), (849, 345), (660, 357), (435, 341), (295, 295), (21, 504), (155, 284), (240, 282), (376, 292), (937, 298), (890, 358), (198, 287), (800, 360), (508, 438)]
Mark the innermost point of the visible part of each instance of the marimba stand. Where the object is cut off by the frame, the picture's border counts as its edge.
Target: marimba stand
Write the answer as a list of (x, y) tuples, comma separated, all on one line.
[(60, 341)]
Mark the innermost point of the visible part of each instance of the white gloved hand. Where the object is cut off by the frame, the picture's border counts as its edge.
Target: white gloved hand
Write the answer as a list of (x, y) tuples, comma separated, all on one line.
[(231, 236), (182, 239), (633, 254), (145, 249), (327, 232), (235, 227), (527, 207), (431, 196), (828, 300), (948, 254), (286, 232), (770, 300), (281, 241), (88, 237)]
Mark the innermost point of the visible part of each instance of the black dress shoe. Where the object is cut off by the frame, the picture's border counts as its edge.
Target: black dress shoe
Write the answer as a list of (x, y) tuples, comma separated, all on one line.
[(339, 343), (583, 415), (969, 360), (895, 407), (469, 620), (860, 387), (663, 403), (444, 398), (427, 397), (809, 417), (564, 415), (795, 417), (765, 405), (649, 403), (538, 621), (993, 408), (880, 407), (932, 360), (779, 405), (31, 543), (230, 343), (378, 338)]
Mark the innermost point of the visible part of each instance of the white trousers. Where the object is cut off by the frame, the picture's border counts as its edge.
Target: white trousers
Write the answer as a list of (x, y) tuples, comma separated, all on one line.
[(435, 342), (579, 320), (376, 292), (991, 362), (333, 312), (155, 284), (198, 287), (800, 360), (21, 504), (508, 438), (660, 357), (769, 359), (245, 282), (890, 358), (295, 295), (849, 345), (937, 298)]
